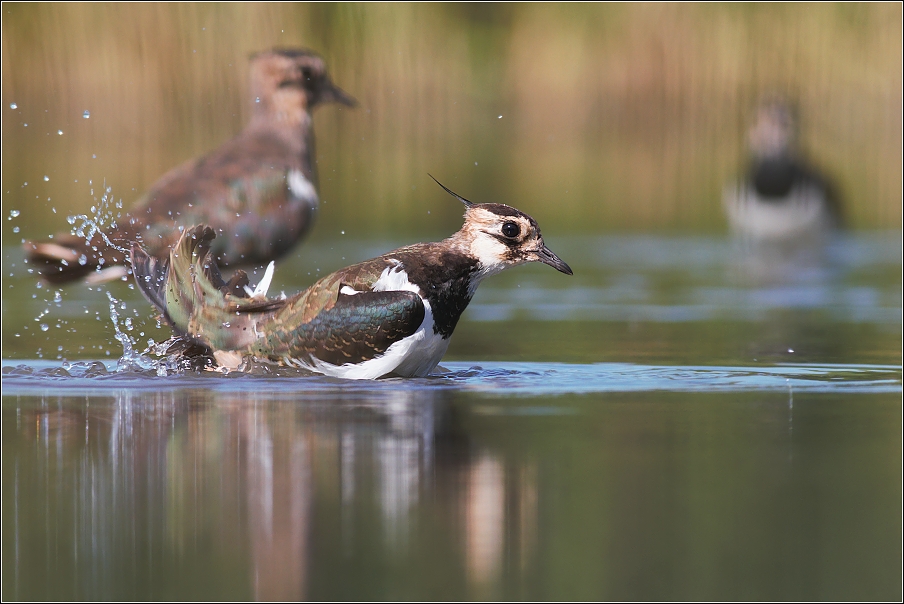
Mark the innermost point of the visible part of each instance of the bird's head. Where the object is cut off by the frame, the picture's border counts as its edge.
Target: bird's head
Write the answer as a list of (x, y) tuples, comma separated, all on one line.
[(292, 80), (499, 236), (773, 132)]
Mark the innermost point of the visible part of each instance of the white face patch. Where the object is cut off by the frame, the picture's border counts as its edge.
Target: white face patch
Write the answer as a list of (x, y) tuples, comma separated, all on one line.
[(493, 255), (488, 250), (302, 188)]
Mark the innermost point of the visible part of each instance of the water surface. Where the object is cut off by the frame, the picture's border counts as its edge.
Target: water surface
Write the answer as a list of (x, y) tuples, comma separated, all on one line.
[(686, 418)]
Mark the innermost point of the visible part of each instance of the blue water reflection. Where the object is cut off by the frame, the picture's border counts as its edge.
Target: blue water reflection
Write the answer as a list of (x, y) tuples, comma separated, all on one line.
[(470, 485), (688, 418)]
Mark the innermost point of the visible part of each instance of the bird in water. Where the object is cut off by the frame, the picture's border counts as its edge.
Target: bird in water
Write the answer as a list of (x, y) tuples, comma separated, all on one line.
[(257, 191), (391, 315), (781, 196)]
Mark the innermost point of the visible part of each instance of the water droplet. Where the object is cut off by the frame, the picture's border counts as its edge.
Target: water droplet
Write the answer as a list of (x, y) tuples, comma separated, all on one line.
[(128, 323), (790, 350), (86, 114), (83, 260), (60, 132), (44, 327), (14, 213), (475, 163), (257, 99), (46, 178), (57, 297), (343, 232), (500, 117), (15, 229), (13, 106)]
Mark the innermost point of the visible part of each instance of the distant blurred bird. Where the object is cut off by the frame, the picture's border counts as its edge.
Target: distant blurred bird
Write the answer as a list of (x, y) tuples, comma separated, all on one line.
[(781, 196), (258, 191), (392, 315)]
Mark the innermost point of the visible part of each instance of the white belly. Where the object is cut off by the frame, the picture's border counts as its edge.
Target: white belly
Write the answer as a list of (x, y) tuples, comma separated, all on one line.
[(803, 211)]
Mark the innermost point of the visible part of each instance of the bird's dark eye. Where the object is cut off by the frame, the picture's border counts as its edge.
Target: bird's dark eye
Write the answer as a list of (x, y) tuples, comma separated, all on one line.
[(510, 229), (306, 73)]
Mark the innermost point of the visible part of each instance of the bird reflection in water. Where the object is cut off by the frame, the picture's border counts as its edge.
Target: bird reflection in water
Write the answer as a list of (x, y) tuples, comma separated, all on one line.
[(195, 484)]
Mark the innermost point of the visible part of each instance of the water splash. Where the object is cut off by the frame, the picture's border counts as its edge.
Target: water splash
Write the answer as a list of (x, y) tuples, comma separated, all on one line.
[(128, 358), (102, 219)]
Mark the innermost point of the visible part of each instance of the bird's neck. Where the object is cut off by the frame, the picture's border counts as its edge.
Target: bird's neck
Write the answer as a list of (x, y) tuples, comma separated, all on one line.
[(282, 108), (445, 276), (290, 125), (485, 252)]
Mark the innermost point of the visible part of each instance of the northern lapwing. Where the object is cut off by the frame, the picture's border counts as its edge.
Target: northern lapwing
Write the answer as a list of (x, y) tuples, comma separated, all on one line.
[(392, 315), (781, 195), (258, 191)]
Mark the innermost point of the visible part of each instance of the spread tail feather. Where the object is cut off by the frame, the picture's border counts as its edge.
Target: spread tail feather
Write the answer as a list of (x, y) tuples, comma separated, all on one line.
[(191, 295), (174, 285)]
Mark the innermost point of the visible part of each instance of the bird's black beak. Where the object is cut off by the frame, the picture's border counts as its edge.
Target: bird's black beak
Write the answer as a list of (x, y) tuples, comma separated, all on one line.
[(333, 94), (545, 255)]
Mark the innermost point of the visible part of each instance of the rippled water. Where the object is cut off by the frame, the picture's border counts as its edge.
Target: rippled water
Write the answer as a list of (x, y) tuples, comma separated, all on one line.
[(503, 379), (686, 418)]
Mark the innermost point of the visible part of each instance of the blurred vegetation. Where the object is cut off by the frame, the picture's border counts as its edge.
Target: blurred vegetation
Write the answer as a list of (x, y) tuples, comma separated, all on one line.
[(590, 117)]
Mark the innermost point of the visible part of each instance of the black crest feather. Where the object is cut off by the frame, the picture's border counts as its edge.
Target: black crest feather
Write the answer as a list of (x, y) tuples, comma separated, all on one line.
[(452, 193)]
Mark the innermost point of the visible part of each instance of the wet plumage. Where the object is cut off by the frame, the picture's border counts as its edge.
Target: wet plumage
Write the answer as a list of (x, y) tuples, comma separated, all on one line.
[(258, 191), (391, 315)]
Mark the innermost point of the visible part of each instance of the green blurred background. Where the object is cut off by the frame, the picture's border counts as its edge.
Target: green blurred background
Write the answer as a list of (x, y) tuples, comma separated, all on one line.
[(593, 118)]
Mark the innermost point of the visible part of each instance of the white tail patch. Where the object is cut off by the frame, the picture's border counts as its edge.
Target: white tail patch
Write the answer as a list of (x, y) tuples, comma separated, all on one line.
[(264, 285)]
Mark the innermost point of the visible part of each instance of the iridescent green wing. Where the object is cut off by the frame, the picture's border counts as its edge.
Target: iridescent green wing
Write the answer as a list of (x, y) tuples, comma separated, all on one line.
[(355, 328)]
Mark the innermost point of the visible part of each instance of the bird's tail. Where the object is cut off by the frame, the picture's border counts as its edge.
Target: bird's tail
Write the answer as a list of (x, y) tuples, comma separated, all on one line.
[(69, 257), (188, 291)]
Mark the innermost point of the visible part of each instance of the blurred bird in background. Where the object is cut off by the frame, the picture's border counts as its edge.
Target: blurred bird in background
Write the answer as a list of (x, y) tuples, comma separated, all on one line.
[(781, 196), (258, 191)]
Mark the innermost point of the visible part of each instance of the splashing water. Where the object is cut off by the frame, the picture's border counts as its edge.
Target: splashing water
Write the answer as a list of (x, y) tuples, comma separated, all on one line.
[(100, 220), (87, 227), (128, 358)]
